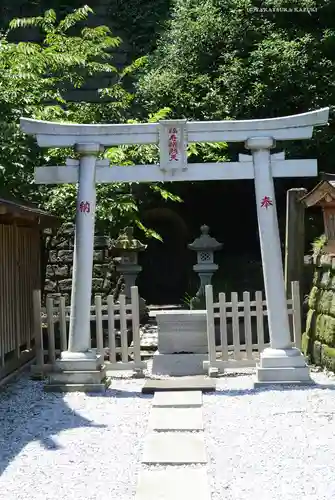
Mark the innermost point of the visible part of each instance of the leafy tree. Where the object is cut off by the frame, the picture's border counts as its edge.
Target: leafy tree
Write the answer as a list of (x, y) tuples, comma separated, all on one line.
[(222, 59), (34, 78)]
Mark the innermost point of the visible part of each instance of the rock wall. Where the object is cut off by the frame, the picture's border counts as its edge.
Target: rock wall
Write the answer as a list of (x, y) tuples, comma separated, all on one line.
[(60, 265), (319, 338)]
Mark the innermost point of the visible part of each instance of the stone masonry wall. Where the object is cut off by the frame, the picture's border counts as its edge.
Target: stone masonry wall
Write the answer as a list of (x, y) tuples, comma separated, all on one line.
[(319, 337), (60, 264)]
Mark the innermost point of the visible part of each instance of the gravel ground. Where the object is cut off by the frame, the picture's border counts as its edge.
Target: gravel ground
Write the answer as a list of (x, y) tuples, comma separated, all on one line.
[(77, 446), (268, 444), (271, 444)]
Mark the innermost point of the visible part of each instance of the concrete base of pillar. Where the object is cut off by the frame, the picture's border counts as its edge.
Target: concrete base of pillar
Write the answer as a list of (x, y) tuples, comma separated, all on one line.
[(178, 365), (78, 372), (282, 366)]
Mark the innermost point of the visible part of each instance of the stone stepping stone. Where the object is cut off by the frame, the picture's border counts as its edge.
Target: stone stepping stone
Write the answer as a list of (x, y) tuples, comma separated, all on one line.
[(173, 484), (176, 419), (174, 448), (196, 383), (177, 399)]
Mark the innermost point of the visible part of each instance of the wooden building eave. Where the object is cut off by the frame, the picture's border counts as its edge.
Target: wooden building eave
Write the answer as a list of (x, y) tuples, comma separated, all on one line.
[(25, 214), (319, 193)]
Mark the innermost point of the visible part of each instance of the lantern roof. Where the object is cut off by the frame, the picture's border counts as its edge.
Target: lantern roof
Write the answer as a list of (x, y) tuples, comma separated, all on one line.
[(323, 193), (205, 241), (127, 242)]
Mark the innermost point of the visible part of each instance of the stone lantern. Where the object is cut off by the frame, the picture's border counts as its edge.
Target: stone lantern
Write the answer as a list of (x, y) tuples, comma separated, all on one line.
[(127, 248), (205, 246), (323, 195)]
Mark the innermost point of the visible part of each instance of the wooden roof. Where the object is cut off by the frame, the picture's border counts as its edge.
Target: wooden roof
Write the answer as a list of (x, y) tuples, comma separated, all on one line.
[(12, 210), (323, 192)]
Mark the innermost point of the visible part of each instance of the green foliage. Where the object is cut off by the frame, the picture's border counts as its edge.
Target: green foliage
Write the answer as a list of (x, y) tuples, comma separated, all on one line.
[(319, 243), (328, 357), (139, 21), (220, 60), (34, 78), (186, 300)]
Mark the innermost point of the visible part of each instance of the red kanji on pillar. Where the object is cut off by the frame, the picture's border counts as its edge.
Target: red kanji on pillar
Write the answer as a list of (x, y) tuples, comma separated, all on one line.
[(266, 202), (84, 207)]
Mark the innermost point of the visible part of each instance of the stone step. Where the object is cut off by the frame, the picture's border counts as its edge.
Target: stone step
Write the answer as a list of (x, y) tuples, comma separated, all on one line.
[(178, 365), (195, 383), (174, 448), (176, 419), (62, 365), (77, 377), (283, 375), (173, 484), (177, 399), (54, 387)]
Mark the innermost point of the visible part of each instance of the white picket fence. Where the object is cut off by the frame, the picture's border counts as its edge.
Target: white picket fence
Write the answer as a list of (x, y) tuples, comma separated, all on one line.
[(46, 320), (240, 325), (230, 314)]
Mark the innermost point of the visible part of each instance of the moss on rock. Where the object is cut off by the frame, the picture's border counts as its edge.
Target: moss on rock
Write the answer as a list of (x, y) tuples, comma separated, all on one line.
[(323, 355), (305, 341), (317, 276), (328, 357), (323, 305), (313, 298), (325, 279), (325, 329), (318, 341), (310, 323)]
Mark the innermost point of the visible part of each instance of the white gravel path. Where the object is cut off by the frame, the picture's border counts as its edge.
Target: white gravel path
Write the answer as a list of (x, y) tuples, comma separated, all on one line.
[(271, 444), (263, 444), (73, 447)]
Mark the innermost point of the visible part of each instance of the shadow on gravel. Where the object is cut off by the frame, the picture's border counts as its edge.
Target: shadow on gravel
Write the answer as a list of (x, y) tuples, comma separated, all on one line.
[(271, 388), (29, 414), (118, 393)]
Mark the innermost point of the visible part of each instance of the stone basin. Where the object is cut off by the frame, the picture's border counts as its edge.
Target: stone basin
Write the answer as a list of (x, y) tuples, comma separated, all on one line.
[(182, 331)]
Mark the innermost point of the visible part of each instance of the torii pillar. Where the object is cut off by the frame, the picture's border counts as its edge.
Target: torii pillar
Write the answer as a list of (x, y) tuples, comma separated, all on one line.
[(79, 367), (281, 362)]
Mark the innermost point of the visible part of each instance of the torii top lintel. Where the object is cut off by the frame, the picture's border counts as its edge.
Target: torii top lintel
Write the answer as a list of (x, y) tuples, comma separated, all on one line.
[(53, 134)]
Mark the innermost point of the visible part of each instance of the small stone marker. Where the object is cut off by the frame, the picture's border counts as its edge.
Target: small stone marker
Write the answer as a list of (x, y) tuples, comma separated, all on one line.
[(196, 383), (177, 399), (174, 448), (173, 484), (176, 419)]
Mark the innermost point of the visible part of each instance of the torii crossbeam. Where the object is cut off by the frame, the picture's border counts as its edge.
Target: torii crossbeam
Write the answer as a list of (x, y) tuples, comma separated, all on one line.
[(280, 363)]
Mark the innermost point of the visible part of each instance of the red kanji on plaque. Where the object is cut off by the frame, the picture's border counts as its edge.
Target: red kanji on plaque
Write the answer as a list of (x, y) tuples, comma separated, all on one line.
[(84, 207), (266, 202), (173, 144)]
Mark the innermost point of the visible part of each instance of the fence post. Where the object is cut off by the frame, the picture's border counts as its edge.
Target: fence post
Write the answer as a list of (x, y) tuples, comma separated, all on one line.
[(212, 370), (296, 313), (123, 329), (98, 328), (223, 327), (62, 324), (111, 329), (247, 325), (51, 330), (135, 313), (260, 321), (38, 369)]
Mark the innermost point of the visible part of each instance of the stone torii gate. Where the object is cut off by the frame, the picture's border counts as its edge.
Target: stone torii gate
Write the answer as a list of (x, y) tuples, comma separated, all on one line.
[(279, 363)]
